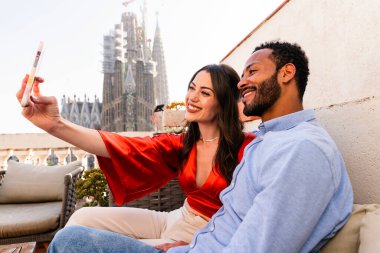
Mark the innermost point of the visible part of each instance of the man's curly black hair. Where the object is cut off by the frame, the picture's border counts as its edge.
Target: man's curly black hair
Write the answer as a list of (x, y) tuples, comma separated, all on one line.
[(285, 52)]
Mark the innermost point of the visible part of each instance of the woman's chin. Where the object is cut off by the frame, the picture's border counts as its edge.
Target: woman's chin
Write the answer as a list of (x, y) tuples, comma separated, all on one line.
[(189, 117)]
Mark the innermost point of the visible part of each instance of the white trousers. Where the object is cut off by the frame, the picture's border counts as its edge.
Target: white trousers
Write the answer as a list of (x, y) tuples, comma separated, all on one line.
[(152, 227)]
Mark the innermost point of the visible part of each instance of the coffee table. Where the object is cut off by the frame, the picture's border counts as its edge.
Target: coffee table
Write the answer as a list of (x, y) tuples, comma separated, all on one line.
[(27, 247)]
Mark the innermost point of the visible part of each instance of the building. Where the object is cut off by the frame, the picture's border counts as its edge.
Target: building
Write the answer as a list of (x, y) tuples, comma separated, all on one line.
[(84, 113), (134, 75)]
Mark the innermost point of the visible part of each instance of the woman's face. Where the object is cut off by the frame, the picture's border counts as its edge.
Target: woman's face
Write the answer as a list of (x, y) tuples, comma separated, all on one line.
[(201, 103)]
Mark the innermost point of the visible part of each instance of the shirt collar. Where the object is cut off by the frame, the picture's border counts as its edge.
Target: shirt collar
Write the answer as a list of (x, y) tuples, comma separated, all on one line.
[(286, 122)]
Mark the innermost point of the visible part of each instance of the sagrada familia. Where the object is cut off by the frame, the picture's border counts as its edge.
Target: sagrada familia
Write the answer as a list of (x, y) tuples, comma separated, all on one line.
[(134, 81)]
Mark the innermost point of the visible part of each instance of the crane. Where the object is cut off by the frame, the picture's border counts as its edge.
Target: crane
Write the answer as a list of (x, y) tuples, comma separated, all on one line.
[(125, 3)]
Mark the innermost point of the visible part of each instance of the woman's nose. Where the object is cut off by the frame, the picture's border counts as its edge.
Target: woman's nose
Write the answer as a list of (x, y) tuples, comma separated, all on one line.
[(193, 96)]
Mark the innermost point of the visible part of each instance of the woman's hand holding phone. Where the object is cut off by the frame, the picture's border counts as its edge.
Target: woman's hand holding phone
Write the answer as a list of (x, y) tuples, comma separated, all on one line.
[(29, 85), (42, 111)]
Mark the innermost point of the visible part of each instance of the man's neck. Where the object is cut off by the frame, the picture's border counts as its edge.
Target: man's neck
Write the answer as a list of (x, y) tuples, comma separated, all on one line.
[(279, 110)]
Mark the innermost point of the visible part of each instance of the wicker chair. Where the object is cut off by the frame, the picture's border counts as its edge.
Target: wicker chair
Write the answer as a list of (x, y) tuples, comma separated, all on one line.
[(167, 198), (2, 173), (68, 204)]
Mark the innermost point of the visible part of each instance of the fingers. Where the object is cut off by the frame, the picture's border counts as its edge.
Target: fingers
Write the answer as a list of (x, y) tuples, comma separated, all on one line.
[(24, 81), (43, 100), (166, 246), (36, 86), (20, 92), (162, 247)]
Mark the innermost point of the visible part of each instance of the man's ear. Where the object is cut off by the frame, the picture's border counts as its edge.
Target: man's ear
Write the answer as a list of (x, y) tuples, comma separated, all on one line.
[(287, 73)]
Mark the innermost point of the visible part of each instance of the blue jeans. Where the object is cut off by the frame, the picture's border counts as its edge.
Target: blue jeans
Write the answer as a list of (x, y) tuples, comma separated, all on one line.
[(77, 239)]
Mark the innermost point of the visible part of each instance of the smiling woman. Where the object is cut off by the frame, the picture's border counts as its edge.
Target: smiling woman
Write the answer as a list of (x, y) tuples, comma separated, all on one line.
[(191, 155)]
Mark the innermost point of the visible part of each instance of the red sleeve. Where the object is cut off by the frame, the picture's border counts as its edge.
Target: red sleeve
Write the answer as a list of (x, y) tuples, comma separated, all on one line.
[(139, 166), (248, 138)]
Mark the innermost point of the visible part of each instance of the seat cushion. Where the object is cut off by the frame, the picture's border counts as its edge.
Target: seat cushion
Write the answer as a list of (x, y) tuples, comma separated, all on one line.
[(26, 183), (370, 232), (358, 231), (29, 219)]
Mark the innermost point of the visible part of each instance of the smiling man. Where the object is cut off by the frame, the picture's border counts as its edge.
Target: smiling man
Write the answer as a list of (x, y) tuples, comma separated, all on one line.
[(290, 193)]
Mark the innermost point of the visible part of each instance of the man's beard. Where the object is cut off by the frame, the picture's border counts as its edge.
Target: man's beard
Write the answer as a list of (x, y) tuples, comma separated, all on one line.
[(266, 95)]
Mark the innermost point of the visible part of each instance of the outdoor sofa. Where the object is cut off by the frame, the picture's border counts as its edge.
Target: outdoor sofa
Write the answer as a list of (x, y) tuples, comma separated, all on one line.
[(36, 201)]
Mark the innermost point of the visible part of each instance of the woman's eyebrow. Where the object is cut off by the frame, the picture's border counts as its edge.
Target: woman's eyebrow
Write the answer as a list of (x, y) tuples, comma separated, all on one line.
[(203, 87)]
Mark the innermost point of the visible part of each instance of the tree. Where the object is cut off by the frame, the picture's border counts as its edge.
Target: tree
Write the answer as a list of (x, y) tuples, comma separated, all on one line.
[(93, 185)]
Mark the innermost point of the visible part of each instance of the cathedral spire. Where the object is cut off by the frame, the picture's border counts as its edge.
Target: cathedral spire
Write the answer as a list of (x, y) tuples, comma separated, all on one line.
[(85, 113), (65, 108), (95, 115), (129, 83), (74, 112), (161, 86)]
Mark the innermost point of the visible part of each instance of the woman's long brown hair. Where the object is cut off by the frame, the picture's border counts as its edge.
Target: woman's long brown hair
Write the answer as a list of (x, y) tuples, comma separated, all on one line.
[(224, 82)]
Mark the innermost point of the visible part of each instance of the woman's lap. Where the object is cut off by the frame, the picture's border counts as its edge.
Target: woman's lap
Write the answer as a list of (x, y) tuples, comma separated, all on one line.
[(151, 227), (133, 222)]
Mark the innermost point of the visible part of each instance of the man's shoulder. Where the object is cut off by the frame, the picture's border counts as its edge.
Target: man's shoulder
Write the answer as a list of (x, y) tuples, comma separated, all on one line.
[(304, 134), (312, 132)]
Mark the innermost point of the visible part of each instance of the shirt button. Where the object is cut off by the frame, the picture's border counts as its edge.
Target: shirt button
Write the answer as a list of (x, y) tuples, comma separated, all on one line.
[(191, 245), (232, 185), (212, 228)]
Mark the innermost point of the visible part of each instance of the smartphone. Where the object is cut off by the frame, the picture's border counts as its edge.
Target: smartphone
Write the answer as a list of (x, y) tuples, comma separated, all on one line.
[(29, 85)]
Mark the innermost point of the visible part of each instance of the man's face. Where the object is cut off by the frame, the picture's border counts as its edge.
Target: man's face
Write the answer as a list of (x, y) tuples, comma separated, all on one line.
[(259, 87)]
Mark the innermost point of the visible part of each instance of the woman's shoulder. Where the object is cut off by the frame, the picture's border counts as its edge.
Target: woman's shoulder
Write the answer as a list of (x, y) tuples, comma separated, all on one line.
[(175, 139), (173, 136), (248, 137)]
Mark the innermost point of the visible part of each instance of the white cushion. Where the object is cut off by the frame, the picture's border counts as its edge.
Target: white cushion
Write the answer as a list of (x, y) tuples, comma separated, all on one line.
[(369, 232), (25, 183), (359, 234)]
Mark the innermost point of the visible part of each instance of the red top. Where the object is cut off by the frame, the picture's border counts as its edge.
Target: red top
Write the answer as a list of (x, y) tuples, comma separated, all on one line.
[(139, 166)]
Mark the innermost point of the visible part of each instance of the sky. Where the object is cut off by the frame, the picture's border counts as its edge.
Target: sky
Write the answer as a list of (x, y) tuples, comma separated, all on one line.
[(194, 33)]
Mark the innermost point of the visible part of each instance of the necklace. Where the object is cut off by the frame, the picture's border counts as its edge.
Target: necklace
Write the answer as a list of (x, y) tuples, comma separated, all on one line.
[(209, 140)]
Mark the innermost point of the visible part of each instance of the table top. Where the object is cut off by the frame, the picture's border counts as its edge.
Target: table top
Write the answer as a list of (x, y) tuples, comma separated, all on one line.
[(27, 247)]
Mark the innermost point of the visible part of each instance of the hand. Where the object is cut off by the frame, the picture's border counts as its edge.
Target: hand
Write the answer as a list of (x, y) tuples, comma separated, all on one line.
[(42, 111), (166, 246)]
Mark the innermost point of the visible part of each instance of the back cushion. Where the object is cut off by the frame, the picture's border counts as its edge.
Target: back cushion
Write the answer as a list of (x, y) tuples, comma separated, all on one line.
[(25, 183), (361, 229)]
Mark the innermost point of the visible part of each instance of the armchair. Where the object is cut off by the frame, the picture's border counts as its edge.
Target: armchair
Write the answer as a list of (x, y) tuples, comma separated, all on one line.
[(36, 201), (167, 198)]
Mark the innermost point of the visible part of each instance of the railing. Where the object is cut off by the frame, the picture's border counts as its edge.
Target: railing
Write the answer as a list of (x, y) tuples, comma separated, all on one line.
[(44, 149)]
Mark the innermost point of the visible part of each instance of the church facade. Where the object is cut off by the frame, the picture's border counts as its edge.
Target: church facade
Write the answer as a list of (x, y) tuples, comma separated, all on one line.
[(86, 113), (135, 79)]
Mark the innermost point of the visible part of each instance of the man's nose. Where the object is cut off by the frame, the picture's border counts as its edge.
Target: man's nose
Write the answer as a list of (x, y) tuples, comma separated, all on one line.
[(242, 83)]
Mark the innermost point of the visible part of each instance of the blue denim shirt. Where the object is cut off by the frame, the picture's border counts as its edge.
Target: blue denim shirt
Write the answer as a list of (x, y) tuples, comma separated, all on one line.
[(290, 193)]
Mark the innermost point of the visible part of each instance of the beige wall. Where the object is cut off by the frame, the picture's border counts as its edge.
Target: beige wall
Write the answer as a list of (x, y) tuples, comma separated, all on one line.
[(342, 41), (355, 127)]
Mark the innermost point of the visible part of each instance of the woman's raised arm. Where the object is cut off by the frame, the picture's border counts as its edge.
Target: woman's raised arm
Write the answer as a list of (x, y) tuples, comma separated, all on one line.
[(43, 112)]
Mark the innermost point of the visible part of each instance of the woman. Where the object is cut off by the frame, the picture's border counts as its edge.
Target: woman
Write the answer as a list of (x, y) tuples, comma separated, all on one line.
[(203, 157)]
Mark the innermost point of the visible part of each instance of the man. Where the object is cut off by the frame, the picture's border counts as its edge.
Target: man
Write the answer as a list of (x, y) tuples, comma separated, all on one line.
[(290, 193)]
